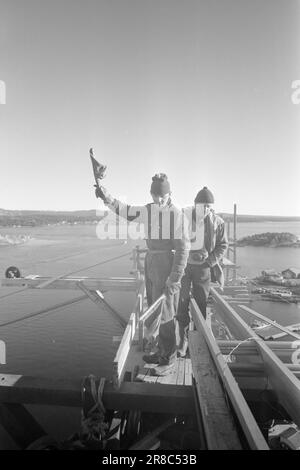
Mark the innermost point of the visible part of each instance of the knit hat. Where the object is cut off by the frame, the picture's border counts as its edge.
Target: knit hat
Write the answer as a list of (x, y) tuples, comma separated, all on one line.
[(205, 196), (160, 185)]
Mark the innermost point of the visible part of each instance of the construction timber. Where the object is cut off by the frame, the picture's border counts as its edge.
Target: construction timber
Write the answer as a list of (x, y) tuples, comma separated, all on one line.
[(225, 389)]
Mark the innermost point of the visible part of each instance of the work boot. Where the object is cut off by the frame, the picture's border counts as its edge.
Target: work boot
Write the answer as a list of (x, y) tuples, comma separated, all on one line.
[(152, 358), (167, 361), (165, 366)]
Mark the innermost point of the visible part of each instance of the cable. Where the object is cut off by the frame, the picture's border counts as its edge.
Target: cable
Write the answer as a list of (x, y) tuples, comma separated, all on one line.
[(78, 253), (237, 346), (98, 264), (46, 310), (13, 293), (72, 272)]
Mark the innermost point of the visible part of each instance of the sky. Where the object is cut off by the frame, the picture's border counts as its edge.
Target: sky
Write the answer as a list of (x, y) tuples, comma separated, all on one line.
[(199, 90)]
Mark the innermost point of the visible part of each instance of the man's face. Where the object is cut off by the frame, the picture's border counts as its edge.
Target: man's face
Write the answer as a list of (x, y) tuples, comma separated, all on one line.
[(202, 209), (161, 201)]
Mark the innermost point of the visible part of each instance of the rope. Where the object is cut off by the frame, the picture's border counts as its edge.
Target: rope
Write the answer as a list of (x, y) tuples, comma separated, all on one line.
[(93, 426), (228, 359)]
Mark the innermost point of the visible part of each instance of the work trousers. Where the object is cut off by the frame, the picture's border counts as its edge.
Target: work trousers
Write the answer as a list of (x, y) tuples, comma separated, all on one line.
[(161, 325), (198, 278)]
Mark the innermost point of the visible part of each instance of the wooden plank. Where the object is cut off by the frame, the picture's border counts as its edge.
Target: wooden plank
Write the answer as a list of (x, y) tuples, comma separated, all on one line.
[(156, 398), (170, 378), (284, 350), (219, 427), (294, 327), (251, 430), (271, 322), (20, 424), (248, 369), (98, 299), (188, 372), (150, 378), (180, 375), (114, 284), (148, 441), (48, 282), (66, 392), (145, 316), (132, 323), (251, 345), (237, 326), (152, 308), (235, 290), (282, 380), (139, 304), (121, 357)]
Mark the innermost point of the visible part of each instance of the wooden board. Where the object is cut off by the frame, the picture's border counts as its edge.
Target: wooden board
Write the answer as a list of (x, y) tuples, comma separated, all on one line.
[(171, 378), (271, 322), (148, 397), (250, 428), (180, 375), (282, 380), (20, 424), (218, 423), (114, 284), (188, 372), (97, 298), (121, 356)]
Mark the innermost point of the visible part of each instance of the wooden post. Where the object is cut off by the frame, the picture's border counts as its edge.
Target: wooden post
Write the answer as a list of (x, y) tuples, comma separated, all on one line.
[(234, 240), (20, 424), (146, 315), (228, 236)]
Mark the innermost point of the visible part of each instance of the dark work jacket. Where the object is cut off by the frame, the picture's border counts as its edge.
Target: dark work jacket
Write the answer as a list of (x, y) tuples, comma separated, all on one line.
[(215, 243)]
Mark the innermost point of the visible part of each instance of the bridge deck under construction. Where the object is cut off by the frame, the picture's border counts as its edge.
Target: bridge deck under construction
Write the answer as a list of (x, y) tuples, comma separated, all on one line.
[(217, 381)]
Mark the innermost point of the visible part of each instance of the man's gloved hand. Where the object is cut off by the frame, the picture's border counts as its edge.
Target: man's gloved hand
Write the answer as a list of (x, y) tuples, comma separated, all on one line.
[(102, 193), (171, 287)]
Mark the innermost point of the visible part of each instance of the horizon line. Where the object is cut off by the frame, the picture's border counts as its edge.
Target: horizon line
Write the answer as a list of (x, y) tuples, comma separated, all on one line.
[(89, 210)]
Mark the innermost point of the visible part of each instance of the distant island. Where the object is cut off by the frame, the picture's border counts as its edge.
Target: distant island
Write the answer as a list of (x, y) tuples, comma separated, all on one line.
[(271, 239), (39, 218), (28, 218)]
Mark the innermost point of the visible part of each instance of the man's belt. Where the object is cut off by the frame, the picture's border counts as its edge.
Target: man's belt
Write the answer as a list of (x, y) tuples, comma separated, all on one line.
[(198, 255)]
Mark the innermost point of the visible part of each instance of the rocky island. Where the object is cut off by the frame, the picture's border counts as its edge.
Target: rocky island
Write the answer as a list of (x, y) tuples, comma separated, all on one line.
[(271, 239)]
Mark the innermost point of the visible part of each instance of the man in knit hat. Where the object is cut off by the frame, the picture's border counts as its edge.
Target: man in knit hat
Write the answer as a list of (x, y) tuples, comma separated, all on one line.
[(168, 249), (208, 246)]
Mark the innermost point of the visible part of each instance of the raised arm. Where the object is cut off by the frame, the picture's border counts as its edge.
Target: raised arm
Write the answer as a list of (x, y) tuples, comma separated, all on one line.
[(128, 212)]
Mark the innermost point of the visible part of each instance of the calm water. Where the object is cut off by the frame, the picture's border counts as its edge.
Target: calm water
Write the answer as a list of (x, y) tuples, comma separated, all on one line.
[(77, 340)]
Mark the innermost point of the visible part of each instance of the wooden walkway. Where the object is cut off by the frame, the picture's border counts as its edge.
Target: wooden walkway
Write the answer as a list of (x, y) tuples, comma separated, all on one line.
[(205, 385), (180, 374)]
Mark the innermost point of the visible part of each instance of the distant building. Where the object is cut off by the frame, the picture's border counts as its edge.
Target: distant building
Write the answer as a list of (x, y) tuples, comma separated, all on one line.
[(291, 273), (272, 275)]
